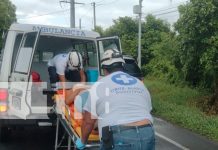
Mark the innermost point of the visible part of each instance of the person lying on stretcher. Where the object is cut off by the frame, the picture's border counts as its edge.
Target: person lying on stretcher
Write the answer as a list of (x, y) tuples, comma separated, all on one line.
[(76, 99), (70, 95)]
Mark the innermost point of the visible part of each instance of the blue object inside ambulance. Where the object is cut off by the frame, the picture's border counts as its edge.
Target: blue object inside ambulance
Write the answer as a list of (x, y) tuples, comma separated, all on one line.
[(92, 75)]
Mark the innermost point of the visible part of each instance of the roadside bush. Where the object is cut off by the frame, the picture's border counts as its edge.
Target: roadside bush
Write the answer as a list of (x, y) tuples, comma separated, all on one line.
[(179, 105)]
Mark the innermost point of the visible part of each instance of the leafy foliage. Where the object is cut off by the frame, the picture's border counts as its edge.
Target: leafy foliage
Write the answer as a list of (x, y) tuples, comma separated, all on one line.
[(188, 55), (163, 63), (157, 41), (7, 16), (178, 105), (159, 45), (127, 29), (100, 30), (197, 28)]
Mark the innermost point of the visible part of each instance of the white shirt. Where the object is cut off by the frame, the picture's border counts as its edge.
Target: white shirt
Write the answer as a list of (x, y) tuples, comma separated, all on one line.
[(60, 63), (119, 99)]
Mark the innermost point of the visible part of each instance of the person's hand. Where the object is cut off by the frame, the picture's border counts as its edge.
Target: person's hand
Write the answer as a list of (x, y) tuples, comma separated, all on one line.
[(79, 144)]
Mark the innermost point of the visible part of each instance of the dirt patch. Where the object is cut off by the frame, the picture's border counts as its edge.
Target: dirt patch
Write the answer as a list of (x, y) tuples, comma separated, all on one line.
[(209, 105)]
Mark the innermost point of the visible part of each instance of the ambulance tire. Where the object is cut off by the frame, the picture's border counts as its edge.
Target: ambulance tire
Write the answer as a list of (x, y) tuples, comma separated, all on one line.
[(4, 134)]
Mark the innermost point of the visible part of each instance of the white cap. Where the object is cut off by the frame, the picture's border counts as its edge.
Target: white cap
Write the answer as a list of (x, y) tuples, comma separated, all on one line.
[(74, 60), (111, 56)]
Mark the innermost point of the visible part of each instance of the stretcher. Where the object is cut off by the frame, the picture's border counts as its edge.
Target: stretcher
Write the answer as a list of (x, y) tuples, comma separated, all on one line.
[(66, 117)]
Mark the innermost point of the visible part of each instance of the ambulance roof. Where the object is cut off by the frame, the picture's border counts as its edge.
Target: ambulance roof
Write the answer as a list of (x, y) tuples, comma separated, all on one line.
[(54, 30)]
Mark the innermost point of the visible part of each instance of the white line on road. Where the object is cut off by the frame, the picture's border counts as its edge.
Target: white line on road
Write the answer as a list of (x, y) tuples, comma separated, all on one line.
[(171, 141), (159, 119)]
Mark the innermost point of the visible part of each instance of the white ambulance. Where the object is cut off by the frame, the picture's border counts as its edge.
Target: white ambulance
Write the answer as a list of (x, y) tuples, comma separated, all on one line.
[(26, 50)]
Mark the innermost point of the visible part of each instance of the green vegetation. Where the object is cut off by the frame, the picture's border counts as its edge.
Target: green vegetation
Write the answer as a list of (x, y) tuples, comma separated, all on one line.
[(198, 54), (179, 105), (7, 16), (186, 54)]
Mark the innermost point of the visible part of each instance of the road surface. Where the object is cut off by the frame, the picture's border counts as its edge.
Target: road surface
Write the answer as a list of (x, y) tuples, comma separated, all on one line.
[(180, 138), (168, 137)]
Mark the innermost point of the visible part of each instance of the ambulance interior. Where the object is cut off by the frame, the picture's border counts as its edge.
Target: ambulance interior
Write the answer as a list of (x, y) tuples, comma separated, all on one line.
[(49, 46)]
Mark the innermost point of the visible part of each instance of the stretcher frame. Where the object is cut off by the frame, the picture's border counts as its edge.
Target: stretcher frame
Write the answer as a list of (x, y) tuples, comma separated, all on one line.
[(69, 130)]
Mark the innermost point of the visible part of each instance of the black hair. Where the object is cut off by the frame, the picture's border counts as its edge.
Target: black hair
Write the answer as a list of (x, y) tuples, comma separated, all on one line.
[(133, 70), (118, 66)]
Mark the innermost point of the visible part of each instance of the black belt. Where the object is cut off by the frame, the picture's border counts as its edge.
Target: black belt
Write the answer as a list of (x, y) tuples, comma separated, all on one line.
[(120, 128)]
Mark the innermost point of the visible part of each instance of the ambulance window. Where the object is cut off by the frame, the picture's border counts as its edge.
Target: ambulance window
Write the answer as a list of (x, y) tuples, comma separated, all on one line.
[(80, 47), (106, 44), (25, 53), (88, 51), (91, 47), (23, 60), (36, 56), (16, 47), (92, 55), (30, 40), (46, 56)]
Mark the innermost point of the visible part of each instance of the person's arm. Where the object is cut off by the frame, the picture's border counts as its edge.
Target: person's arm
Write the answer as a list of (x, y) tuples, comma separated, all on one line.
[(70, 96), (60, 66), (62, 78), (82, 75), (87, 126)]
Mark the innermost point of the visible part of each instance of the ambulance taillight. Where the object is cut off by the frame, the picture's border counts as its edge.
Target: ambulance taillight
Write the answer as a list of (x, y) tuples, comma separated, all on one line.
[(3, 100)]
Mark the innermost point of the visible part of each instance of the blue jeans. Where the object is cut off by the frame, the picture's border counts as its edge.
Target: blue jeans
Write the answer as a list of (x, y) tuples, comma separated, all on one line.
[(133, 139)]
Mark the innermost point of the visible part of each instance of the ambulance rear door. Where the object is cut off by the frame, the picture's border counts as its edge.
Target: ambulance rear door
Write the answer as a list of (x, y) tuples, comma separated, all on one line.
[(19, 78), (107, 43)]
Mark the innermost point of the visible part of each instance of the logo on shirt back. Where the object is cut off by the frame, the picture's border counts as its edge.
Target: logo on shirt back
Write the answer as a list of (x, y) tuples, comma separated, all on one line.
[(123, 79)]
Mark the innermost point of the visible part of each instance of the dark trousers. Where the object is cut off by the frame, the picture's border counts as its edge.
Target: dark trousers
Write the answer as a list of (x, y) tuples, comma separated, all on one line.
[(71, 75)]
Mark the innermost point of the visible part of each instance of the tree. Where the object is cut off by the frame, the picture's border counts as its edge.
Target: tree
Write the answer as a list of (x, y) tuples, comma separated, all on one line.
[(198, 34), (7, 16), (127, 29), (100, 30), (122, 26), (162, 65), (151, 34)]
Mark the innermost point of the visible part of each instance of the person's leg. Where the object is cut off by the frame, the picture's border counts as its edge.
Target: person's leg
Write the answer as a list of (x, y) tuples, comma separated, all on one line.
[(148, 141), (126, 140), (53, 75), (135, 139)]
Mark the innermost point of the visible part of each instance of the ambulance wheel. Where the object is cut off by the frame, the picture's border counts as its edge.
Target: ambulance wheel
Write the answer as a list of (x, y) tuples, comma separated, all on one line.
[(4, 134)]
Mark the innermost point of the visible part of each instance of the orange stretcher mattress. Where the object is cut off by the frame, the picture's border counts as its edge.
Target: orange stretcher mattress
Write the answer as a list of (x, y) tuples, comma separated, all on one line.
[(76, 123)]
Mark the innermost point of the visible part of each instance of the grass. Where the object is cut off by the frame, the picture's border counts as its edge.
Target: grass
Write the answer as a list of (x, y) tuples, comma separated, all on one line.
[(178, 105)]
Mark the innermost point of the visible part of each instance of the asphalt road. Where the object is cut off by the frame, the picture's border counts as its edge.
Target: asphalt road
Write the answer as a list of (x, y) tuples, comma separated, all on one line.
[(181, 138), (168, 137), (30, 139)]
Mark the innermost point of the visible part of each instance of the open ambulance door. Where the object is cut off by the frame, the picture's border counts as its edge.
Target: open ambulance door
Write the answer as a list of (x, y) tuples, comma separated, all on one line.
[(104, 44), (19, 78)]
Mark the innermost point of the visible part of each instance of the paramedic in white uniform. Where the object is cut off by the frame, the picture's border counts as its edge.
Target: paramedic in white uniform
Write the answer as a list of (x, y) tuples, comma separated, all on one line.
[(122, 105), (66, 67)]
